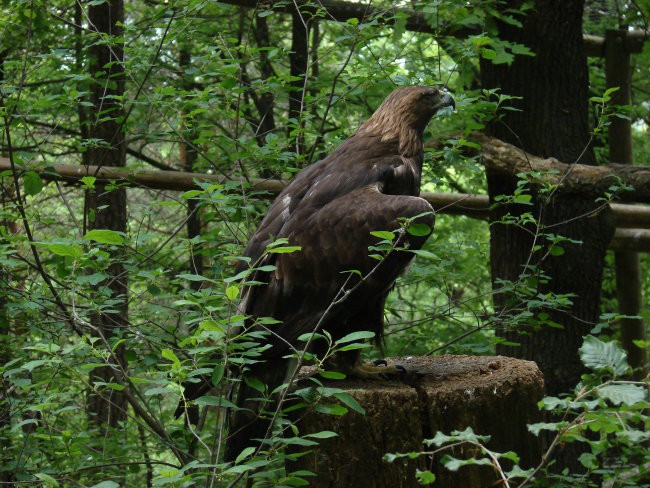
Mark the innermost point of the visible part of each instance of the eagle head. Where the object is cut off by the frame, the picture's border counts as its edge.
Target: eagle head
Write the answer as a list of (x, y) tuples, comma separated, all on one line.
[(405, 113)]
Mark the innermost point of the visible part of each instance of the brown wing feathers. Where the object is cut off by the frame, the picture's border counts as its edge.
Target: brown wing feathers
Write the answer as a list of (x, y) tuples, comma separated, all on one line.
[(368, 183)]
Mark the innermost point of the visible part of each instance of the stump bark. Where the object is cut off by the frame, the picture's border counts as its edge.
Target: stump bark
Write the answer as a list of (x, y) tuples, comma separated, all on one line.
[(495, 396)]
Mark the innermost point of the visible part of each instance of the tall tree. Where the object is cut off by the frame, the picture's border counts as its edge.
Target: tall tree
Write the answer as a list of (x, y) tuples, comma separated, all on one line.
[(551, 121), (107, 207)]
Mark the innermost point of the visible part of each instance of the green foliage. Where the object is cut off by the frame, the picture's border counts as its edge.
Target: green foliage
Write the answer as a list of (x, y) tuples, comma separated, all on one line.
[(604, 413), (198, 75)]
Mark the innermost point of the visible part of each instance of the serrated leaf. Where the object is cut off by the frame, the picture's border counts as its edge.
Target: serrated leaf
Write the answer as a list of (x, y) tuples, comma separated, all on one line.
[(105, 236), (599, 355), (627, 394)]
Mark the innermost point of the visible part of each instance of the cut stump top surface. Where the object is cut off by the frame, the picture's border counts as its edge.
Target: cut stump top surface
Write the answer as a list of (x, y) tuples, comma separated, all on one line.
[(494, 395)]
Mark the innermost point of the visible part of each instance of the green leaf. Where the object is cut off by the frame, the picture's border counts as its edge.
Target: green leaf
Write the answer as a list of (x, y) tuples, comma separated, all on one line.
[(217, 374), (332, 375), (71, 250), (425, 477), (626, 393), (47, 479), (599, 355), (255, 384), (556, 250), (350, 401), (169, 354), (284, 249), (419, 229), (32, 182), (105, 236), (232, 292), (356, 336), (324, 434), (383, 234), (88, 181), (244, 454), (330, 409)]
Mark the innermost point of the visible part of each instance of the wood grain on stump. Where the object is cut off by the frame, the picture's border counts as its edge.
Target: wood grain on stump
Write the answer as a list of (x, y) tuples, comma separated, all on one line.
[(495, 396)]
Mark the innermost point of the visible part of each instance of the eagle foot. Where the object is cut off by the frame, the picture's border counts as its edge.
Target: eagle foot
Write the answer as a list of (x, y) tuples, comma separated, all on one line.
[(378, 369)]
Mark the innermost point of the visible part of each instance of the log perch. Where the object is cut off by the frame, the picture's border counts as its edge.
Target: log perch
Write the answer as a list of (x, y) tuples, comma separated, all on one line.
[(495, 396)]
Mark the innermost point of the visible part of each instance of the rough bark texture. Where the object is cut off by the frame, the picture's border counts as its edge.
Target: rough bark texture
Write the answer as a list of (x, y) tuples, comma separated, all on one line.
[(552, 121), (108, 406), (443, 393)]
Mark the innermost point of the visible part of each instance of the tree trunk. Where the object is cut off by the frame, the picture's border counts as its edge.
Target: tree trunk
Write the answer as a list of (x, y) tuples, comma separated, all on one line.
[(107, 208), (298, 60), (188, 156), (442, 394), (552, 121)]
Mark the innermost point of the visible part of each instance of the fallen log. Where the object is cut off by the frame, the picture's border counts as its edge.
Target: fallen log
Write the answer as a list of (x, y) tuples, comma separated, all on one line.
[(495, 396)]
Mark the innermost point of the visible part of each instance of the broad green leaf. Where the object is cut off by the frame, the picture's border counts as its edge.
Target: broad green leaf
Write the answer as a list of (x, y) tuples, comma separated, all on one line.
[(625, 393), (256, 384), (330, 409), (232, 292), (88, 181), (350, 401), (356, 336), (32, 182), (419, 229), (71, 250), (383, 234), (599, 355), (105, 236), (425, 477), (244, 454), (169, 354)]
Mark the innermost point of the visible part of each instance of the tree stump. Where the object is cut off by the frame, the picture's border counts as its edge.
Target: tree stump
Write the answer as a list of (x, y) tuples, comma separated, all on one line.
[(495, 396)]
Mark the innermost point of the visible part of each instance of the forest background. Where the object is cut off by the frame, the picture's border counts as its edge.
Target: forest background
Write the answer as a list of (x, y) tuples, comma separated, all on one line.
[(112, 295)]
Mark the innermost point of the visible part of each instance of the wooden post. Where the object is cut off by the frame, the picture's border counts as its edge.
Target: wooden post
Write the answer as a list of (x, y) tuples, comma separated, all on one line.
[(628, 272)]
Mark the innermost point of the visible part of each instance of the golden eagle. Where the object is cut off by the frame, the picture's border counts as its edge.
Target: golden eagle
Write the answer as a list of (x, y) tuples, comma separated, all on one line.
[(371, 182)]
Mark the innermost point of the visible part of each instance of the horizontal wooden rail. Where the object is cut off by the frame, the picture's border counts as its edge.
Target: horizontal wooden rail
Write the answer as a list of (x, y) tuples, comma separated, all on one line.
[(633, 221)]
